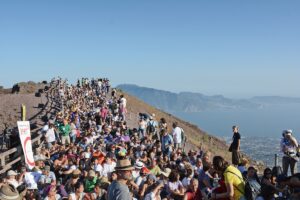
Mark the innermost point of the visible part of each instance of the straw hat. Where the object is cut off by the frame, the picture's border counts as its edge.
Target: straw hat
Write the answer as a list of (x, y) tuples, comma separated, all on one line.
[(9, 192), (124, 164)]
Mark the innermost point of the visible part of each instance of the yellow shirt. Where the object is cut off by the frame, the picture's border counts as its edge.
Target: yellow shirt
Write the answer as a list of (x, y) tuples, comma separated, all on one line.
[(233, 175)]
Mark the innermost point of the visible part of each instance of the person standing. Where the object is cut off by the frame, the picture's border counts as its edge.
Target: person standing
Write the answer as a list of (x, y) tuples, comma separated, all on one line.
[(65, 131), (289, 146), (235, 145), (118, 190), (166, 143), (177, 137)]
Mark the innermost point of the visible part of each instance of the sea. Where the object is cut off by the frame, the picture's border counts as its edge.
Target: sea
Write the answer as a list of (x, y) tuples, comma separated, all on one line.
[(261, 129)]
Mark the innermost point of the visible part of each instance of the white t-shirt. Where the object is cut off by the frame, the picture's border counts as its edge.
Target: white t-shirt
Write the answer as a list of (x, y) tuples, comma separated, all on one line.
[(135, 174), (98, 168), (45, 128), (175, 186), (32, 178), (50, 135), (108, 168), (177, 135), (73, 196), (57, 197), (123, 102)]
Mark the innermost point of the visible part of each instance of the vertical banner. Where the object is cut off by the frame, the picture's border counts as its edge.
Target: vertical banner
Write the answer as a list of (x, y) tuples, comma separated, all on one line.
[(25, 137)]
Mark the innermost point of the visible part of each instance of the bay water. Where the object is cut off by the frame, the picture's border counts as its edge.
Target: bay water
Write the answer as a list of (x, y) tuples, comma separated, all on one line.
[(261, 129)]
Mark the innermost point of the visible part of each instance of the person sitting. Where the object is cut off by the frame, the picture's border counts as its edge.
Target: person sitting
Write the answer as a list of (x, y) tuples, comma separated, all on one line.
[(193, 193), (252, 187), (267, 180), (267, 193), (175, 187), (234, 181), (293, 182)]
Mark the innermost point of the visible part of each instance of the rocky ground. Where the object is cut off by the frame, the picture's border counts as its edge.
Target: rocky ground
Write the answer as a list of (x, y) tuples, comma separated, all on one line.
[(10, 104), (10, 107)]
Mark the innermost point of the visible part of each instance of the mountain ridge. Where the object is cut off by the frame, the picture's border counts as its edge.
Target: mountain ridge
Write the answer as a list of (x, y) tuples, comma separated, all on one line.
[(185, 101)]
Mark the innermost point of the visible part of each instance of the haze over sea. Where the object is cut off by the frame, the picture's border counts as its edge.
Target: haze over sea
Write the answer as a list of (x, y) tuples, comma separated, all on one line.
[(260, 128)]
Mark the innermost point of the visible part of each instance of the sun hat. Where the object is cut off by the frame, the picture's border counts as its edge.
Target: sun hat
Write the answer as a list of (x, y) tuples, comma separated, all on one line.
[(166, 172), (124, 164), (9, 192), (138, 165)]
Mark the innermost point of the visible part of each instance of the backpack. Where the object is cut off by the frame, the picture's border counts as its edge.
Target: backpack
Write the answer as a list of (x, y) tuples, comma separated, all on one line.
[(183, 137), (151, 127), (252, 190)]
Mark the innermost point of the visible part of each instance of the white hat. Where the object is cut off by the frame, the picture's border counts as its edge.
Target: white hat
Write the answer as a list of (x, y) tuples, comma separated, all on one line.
[(12, 173), (139, 165), (287, 132)]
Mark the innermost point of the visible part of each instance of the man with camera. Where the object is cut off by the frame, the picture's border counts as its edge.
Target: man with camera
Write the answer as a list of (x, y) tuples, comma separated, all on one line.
[(289, 147)]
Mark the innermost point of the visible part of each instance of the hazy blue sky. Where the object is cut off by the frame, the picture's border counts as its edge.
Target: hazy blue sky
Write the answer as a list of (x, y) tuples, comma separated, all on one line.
[(236, 48)]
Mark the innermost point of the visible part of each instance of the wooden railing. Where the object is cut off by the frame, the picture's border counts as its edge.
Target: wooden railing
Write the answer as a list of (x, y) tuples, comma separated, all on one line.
[(16, 154)]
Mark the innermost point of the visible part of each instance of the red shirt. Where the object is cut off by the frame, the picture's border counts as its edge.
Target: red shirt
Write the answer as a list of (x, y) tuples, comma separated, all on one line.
[(196, 195)]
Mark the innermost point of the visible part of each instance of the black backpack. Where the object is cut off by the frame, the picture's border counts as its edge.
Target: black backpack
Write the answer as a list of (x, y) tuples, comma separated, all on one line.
[(151, 127)]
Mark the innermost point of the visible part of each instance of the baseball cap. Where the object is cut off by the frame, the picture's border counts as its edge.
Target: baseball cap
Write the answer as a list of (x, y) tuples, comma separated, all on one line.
[(12, 173)]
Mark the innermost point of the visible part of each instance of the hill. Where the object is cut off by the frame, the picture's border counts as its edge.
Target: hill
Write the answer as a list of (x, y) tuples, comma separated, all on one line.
[(10, 103), (185, 101), (196, 137)]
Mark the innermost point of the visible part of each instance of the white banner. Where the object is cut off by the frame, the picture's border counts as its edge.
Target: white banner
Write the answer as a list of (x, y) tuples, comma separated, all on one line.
[(25, 137)]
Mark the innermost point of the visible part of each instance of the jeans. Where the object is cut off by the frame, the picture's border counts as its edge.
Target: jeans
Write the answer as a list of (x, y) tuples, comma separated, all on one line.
[(289, 162)]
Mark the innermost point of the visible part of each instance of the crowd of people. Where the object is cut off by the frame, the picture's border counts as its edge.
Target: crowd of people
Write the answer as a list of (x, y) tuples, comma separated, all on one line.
[(89, 153)]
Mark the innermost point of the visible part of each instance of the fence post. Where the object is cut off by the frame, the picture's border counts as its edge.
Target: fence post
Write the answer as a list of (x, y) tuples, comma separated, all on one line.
[(276, 160), (23, 112)]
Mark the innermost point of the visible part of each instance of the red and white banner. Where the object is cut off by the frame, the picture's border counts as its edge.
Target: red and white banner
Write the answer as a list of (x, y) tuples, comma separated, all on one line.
[(25, 137)]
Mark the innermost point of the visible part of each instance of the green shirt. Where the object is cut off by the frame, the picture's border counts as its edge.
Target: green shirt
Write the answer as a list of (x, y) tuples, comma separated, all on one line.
[(155, 170), (89, 185), (65, 130)]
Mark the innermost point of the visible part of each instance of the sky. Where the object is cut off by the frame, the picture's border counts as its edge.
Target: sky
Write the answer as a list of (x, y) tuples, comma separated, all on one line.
[(234, 48)]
